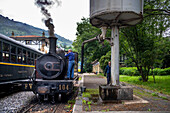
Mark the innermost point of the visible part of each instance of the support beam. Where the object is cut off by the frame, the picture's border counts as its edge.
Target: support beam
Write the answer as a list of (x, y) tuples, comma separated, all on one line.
[(115, 56)]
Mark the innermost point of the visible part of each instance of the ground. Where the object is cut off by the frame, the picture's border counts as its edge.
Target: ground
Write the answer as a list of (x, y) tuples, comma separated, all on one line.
[(156, 103)]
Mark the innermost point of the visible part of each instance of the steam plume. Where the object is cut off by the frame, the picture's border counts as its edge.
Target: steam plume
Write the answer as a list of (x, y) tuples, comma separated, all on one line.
[(44, 5)]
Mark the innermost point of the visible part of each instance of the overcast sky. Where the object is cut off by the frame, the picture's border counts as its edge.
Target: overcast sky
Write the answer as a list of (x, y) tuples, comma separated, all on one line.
[(64, 16)]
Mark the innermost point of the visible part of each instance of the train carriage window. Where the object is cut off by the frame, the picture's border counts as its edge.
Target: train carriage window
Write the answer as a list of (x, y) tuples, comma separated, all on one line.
[(29, 54), (19, 55), (32, 57), (13, 49), (24, 58), (5, 47), (5, 54), (13, 54), (13, 58), (35, 56), (29, 59), (0, 51), (32, 61), (0, 46)]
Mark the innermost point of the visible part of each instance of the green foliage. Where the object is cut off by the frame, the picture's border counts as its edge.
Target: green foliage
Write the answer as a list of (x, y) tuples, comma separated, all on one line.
[(71, 101), (89, 92), (86, 109), (149, 109), (104, 60), (92, 50), (165, 71), (130, 71), (165, 98), (155, 71), (89, 107), (86, 94), (154, 94), (84, 101), (162, 83), (144, 43), (68, 106), (80, 78), (158, 71)]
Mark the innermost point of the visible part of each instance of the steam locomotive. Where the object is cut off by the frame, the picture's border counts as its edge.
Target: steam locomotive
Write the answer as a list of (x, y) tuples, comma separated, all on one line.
[(50, 71)]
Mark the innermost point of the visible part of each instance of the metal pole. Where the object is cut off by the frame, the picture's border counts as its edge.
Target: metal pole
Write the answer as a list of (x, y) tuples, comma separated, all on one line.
[(82, 57), (82, 51), (115, 56)]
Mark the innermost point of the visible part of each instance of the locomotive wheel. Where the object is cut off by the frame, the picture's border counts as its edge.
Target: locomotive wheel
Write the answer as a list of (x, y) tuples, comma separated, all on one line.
[(53, 99), (40, 98)]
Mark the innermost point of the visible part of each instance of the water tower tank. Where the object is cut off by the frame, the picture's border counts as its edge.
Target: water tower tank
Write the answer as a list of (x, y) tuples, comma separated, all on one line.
[(116, 12)]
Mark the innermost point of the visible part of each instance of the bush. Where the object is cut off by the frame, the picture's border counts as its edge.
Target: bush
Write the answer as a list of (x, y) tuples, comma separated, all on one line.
[(155, 71), (158, 71), (165, 71), (130, 71)]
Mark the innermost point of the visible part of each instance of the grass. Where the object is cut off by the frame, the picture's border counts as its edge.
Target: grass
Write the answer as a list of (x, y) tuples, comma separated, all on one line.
[(89, 92), (162, 84), (71, 101), (80, 78), (141, 93)]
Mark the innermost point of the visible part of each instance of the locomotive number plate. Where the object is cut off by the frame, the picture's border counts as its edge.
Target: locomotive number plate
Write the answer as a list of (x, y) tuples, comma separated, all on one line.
[(63, 87), (26, 86)]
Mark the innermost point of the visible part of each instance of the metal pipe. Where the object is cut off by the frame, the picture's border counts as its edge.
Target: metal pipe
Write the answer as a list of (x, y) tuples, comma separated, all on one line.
[(82, 51), (82, 57)]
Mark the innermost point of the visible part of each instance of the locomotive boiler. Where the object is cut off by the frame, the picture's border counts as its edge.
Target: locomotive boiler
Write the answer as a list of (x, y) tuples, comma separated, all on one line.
[(49, 78)]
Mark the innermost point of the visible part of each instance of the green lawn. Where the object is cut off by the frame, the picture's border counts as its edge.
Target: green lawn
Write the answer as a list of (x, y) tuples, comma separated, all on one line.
[(162, 84)]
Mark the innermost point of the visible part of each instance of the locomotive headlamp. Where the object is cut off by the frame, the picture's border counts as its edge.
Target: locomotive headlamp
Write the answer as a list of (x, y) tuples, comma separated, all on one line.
[(52, 66), (48, 66)]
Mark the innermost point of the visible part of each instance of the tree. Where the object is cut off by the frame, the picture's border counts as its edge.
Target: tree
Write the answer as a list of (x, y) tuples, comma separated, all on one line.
[(92, 50), (104, 60), (142, 42)]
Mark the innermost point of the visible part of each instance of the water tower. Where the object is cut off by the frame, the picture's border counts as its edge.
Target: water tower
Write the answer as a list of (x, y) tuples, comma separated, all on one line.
[(115, 14)]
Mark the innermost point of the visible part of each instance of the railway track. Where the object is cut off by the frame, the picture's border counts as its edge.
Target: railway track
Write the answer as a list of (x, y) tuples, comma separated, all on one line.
[(37, 106), (45, 108)]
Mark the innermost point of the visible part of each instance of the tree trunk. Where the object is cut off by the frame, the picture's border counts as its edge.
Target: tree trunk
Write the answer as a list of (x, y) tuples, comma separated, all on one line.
[(143, 74), (153, 76)]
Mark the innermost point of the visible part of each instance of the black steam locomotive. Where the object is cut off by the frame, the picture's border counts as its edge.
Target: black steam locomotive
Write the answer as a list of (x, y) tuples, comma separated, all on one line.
[(50, 72)]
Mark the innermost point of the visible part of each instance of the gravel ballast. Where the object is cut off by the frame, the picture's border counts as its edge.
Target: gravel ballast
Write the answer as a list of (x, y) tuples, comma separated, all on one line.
[(13, 103)]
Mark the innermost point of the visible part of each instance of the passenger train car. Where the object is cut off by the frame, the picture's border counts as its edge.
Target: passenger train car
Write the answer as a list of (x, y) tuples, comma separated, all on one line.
[(16, 61)]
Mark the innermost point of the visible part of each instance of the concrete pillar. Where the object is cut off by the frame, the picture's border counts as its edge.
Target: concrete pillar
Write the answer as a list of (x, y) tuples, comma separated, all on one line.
[(115, 56)]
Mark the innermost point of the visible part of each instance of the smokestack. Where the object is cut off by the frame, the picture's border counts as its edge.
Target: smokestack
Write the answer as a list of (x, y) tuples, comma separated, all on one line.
[(53, 41)]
